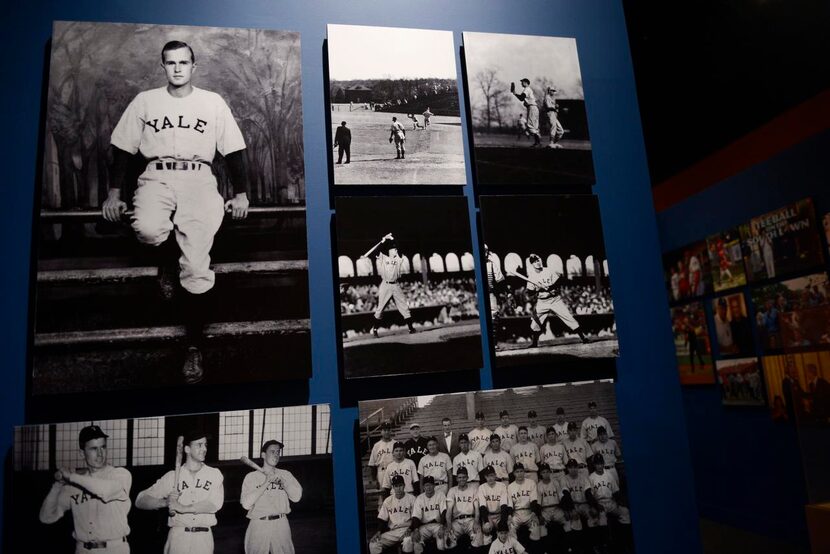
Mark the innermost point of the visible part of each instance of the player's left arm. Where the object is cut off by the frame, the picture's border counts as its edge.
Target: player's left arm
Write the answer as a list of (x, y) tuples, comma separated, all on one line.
[(106, 490), (292, 487), (56, 502), (238, 169)]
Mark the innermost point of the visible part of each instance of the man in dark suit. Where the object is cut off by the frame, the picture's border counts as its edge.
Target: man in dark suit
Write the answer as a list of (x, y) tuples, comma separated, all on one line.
[(792, 391), (448, 440), (818, 391), (343, 142)]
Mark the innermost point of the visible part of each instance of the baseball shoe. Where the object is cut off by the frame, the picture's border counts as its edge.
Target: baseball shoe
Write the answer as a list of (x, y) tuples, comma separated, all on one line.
[(403, 156), (193, 371), (168, 273), (375, 332), (338, 163), (348, 162), (412, 330)]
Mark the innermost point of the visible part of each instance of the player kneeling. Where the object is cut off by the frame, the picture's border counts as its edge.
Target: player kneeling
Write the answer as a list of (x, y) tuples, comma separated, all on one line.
[(462, 507), (505, 543), (606, 500), (553, 522), (524, 504), (493, 504), (428, 516), (577, 501), (394, 520)]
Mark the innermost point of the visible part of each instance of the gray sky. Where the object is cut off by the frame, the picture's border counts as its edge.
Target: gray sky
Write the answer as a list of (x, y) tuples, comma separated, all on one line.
[(360, 52)]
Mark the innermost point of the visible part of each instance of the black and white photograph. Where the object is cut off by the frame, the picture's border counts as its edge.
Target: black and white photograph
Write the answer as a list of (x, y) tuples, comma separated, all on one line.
[(253, 481), (527, 108), (547, 278), (541, 466), (395, 112), (171, 239), (407, 286)]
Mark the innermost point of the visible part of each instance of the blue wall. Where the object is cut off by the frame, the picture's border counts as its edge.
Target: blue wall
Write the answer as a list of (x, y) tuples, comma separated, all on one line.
[(649, 399), (748, 470)]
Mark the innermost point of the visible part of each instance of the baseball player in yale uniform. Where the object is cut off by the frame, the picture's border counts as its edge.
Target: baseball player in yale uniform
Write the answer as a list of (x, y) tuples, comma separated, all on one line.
[(507, 432), (553, 454), (578, 449), (401, 467), (437, 465), (480, 435), (549, 496), (382, 452), (389, 266), (428, 516), (505, 543), (498, 460), (535, 431), (394, 520), (193, 501), (468, 460), (528, 98), (493, 504), (178, 129), (552, 113), (267, 495), (524, 504), (98, 495), (462, 514), (593, 422), (526, 453), (609, 450), (398, 134)]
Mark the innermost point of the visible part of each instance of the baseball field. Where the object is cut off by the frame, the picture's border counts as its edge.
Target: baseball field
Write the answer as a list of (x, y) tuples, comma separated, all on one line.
[(559, 348), (434, 156), (501, 159)]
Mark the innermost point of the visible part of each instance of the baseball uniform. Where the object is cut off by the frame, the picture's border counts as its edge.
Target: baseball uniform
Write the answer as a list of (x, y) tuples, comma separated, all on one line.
[(397, 513), (549, 497), (555, 456), (590, 426), (427, 114), (492, 498), (610, 452), (389, 268), (552, 113), (537, 434), (561, 431), (268, 530), (473, 463), (100, 520), (439, 467), (604, 487), (190, 533), (577, 487), (508, 435), (429, 512), (532, 108), (415, 449), (578, 450), (480, 439), (500, 461), (178, 191), (406, 469), (548, 301), (399, 135), (380, 457), (494, 276), (521, 496), (462, 507), (509, 546), (528, 455)]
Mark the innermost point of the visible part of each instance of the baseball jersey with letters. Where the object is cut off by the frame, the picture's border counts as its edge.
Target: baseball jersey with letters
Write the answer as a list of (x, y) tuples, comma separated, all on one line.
[(94, 519), (510, 546), (604, 486), (501, 461), (542, 281), (277, 498), (462, 502), (397, 512), (207, 484), (438, 466), (561, 430), (577, 450), (576, 486), (493, 498), (160, 125), (381, 453), (406, 469), (530, 96), (429, 509), (472, 461), (590, 426), (548, 493), (554, 455), (608, 449), (537, 435), (480, 439), (522, 494), (527, 454), (508, 434), (389, 267)]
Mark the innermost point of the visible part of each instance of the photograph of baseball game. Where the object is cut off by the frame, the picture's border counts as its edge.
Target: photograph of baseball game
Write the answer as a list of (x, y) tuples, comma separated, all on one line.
[(740, 382), (782, 242), (692, 345), (395, 114), (171, 238), (253, 481), (797, 387), (527, 109), (793, 314), (547, 279), (407, 286), (733, 328), (687, 272), (539, 469), (726, 260)]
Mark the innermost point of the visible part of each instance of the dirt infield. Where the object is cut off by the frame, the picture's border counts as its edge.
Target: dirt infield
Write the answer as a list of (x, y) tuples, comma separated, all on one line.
[(519, 354), (434, 156)]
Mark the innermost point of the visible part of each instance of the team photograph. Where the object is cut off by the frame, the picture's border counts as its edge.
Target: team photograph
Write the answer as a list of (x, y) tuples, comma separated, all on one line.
[(171, 240), (406, 278), (740, 382), (547, 278), (687, 272), (533, 469), (394, 107), (527, 110), (256, 481)]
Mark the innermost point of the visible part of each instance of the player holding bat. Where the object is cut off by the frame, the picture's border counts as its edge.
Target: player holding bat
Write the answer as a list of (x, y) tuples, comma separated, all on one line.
[(266, 494), (389, 266), (549, 301)]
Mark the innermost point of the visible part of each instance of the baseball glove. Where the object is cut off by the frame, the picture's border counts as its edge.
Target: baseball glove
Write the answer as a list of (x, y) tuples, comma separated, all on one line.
[(390, 140), (512, 87)]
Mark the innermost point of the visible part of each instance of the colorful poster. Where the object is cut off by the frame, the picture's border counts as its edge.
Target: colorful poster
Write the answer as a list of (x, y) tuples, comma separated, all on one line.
[(687, 272), (692, 345), (798, 386), (726, 260), (733, 328), (740, 382)]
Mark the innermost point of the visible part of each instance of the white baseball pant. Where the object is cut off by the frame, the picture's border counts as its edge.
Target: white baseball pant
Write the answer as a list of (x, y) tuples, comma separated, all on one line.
[(533, 120), (429, 531), (610, 507), (113, 547), (269, 537), (553, 306), (394, 537), (391, 291), (553, 514), (180, 541), (556, 129), (525, 518), (465, 526)]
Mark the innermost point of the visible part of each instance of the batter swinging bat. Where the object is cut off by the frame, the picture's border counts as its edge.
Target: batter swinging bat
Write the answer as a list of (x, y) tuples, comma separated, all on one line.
[(178, 468), (387, 236), (523, 278), (250, 463)]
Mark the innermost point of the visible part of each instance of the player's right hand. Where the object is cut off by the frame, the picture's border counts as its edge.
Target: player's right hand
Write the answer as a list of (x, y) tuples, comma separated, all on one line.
[(512, 87), (113, 206), (388, 236), (390, 140)]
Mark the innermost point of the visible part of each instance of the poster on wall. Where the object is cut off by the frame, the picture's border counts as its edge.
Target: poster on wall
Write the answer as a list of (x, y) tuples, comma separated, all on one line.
[(498, 451), (733, 328), (692, 345), (527, 109), (687, 272), (726, 260), (395, 113), (171, 237), (407, 286), (227, 482), (547, 277), (826, 221), (793, 314), (740, 382), (798, 387), (781, 242)]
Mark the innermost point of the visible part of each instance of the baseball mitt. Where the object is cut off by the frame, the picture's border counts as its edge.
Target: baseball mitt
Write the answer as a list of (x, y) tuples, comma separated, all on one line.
[(390, 140), (512, 87)]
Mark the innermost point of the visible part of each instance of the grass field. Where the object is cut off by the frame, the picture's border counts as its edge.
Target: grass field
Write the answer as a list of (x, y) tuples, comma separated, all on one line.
[(702, 374), (434, 156)]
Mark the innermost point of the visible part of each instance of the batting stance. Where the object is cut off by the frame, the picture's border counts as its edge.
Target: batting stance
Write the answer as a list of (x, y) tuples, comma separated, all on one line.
[(495, 278), (528, 98), (192, 500), (552, 113), (266, 494), (178, 129), (389, 267), (398, 134), (98, 495)]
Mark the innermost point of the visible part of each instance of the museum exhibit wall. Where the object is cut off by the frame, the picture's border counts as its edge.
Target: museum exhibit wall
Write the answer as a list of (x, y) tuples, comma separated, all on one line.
[(662, 498), (759, 459)]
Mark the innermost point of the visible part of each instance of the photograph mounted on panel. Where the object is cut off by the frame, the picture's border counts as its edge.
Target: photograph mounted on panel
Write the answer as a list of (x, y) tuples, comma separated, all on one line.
[(171, 241), (793, 314), (733, 328), (547, 278), (797, 386), (781, 242), (408, 299), (726, 260), (395, 113), (826, 221), (527, 109), (254, 480), (740, 382), (496, 450), (692, 345), (687, 272)]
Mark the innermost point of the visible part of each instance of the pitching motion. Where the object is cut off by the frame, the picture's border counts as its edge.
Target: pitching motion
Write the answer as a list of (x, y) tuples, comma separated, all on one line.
[(389, 266)]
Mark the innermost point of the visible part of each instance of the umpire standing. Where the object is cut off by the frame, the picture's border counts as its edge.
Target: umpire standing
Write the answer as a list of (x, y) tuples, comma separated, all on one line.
[(343, 140)]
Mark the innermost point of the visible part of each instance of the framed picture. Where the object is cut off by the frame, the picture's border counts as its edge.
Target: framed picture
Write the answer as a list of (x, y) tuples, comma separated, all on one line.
[(740, 382), (395, 113), (687, 272), (527, 109), (726, 260), (797, 386), (733, 328), (692, 344)]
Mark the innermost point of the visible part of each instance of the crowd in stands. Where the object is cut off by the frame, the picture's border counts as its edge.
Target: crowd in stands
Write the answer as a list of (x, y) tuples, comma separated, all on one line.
[(581, 299), (458, 295)]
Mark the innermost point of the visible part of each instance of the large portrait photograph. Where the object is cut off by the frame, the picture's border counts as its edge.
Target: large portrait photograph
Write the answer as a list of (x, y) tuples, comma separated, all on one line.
[(171, 238), (547, 278), (798, 387), (253, 481), (395, 113), (527, 109), (692, 345), (530, 469), (407, 288)]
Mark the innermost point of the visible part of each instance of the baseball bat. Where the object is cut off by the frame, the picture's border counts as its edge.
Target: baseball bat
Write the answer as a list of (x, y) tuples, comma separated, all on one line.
[(522, 277), (250, 463), (177, 472)]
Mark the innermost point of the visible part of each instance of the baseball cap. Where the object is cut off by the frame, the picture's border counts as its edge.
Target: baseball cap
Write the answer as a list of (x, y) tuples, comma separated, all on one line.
[(398, 444), (601, 429), (271, 443), (550, 429), (531, 413), (90, 432), (534, 258), (479, 415), (428, 480), (414, 425), (572, 463), (195, 434), (543, 467), (560, 411), (488, 471), (495, 436), (396, 480), (518, 466), (503, 413), (463, 437), (385, 425), (571, 425), (461, 471), (524, 79), (592, 404)]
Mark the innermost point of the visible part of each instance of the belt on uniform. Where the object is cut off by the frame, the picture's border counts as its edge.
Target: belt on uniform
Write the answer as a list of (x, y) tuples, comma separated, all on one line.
[(92, 545), (557, 470), (272, 517), (582, 466), (464, 516), (440, 482), (197, 529), (176, 165), (610, 467), (391, 282)]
